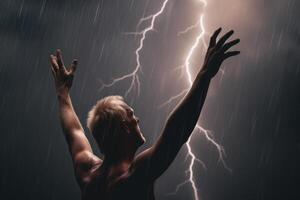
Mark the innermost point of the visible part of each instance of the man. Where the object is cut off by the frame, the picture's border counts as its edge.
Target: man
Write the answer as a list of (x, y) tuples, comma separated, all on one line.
[(121, 174)]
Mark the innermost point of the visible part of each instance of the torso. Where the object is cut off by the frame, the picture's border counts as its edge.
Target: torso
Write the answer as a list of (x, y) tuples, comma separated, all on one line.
[(128, 185)]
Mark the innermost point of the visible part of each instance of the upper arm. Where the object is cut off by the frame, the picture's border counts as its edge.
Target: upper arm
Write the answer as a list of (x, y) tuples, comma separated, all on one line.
[(155, 160), (177, 131), (77, 142), (81, 151)]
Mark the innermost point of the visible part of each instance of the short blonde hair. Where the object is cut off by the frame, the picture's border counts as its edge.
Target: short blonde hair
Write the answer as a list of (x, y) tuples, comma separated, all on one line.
[(104, 119)]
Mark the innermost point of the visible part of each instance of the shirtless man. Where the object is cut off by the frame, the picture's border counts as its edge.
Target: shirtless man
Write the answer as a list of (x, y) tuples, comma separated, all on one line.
[(121, 174)]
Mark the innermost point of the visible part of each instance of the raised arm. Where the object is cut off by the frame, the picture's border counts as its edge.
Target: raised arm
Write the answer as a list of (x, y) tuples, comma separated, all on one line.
[(184, 117), (79, 146)]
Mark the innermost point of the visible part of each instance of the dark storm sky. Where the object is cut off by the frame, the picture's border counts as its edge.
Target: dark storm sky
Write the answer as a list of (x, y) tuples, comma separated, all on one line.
[(253, 109)]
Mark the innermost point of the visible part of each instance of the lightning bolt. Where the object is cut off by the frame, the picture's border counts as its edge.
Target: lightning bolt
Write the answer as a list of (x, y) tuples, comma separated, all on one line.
[(134, 74), (186, 66), (209, 137)]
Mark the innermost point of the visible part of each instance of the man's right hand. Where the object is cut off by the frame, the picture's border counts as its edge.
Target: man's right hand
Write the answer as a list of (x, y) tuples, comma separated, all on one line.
[(217, 52), (63, 77)]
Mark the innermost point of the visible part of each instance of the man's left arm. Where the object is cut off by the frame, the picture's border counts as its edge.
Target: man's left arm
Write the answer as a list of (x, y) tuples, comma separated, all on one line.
[(79, 146), (183, 119)]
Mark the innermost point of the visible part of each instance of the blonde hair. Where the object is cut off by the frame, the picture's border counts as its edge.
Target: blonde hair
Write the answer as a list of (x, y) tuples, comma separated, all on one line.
[(104, 119)]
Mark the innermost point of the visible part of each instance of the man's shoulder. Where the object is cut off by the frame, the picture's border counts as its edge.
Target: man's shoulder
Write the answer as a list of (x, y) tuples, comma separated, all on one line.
[(140, 167), (87, 173)]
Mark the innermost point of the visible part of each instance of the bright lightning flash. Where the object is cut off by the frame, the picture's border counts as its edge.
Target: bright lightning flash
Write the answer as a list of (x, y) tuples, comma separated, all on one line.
[(187, 66), (134, 74)]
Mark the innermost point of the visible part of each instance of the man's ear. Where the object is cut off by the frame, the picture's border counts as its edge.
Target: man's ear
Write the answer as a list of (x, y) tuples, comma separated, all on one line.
[(124, 126)]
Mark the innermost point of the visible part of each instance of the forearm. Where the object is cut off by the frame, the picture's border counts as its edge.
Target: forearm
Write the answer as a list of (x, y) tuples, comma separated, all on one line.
[(79, 146), (179, 127), (183, 119), (68, 118)]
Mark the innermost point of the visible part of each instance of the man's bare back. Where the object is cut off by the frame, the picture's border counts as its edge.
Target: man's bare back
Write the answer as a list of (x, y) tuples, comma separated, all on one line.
[(122, 174), (127, 185)]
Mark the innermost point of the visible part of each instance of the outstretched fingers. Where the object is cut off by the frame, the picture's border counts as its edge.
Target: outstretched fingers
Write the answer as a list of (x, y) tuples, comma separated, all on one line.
[(53, 61), (60, 61), (223, 39), (213, 38), (230, 54), (230, 44)]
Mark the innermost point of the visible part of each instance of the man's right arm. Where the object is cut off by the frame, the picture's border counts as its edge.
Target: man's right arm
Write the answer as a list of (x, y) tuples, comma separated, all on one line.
[(79, 146)]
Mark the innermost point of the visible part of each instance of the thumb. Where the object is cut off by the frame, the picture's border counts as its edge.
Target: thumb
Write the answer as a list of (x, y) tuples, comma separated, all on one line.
[(73, 66)]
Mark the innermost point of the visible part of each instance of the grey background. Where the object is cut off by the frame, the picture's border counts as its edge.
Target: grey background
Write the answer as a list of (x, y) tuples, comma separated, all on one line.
[(253, 109)]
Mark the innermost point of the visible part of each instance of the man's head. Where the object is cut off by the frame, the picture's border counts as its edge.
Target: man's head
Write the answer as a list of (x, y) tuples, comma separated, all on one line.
[(114, 125)]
